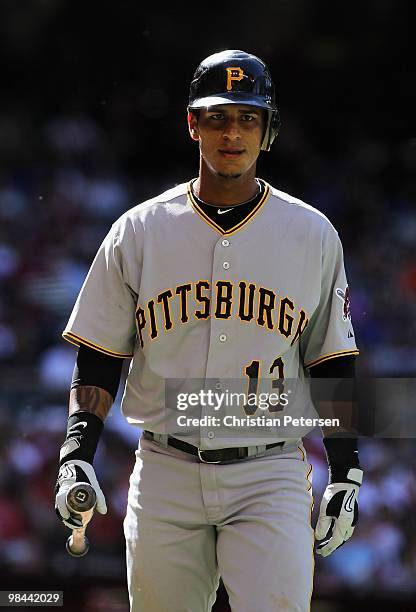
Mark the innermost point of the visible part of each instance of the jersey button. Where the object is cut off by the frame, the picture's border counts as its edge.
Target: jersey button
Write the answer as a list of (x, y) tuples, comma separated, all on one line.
[(225, 265), (211, 435), (218, 386), (223, 337), (225, 242)]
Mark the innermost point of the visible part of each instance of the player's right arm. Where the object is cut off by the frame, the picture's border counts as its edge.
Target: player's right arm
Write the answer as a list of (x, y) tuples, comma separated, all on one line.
[(103, 326), (94, 386)]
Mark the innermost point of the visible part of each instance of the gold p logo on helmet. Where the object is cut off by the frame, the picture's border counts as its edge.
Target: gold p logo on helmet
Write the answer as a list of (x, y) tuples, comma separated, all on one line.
[(234, 73)]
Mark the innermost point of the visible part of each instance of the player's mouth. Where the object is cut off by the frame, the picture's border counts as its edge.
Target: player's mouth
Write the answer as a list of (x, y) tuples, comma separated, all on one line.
[(231, 153)]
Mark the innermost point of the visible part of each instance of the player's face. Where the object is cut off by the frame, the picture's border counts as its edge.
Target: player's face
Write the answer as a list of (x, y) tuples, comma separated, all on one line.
[(229, 138)]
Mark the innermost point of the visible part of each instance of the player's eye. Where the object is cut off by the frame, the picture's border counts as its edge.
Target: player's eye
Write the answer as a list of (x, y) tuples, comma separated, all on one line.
[(248, 117), (216, 116)]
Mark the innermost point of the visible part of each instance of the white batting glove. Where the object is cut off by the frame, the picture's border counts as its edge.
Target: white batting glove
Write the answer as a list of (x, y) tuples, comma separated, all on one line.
[(70, 473), (338, 513)]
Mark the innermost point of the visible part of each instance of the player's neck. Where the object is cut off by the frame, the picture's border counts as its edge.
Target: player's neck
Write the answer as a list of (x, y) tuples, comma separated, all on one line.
[(215, 189)]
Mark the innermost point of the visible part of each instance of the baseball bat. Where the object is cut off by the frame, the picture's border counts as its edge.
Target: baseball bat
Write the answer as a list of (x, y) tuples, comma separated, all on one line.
[(80, 499)]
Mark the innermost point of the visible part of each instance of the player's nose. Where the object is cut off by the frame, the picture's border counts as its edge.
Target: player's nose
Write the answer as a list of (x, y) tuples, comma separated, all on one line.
[(231, 130)]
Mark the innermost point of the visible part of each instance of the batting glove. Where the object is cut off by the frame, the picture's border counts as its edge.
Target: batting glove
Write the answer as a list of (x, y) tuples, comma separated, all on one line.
[(338, 513), (70, 473)]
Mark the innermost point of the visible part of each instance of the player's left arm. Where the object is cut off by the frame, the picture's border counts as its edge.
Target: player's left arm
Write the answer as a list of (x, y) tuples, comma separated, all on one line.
[(338, 514), (328, 349)]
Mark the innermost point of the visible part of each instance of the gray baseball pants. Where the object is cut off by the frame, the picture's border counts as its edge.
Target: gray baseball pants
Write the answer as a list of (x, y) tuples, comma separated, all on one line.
[(188, 522)]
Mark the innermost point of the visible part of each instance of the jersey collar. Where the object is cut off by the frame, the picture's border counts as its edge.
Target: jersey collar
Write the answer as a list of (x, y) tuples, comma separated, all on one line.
[(238, 225)]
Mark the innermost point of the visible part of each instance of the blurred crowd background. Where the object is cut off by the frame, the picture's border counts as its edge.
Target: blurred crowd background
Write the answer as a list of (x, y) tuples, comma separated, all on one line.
[(92, 122)]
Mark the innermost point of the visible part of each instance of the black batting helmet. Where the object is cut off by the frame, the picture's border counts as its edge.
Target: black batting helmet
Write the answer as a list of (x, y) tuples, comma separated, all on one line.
[(236, 77)]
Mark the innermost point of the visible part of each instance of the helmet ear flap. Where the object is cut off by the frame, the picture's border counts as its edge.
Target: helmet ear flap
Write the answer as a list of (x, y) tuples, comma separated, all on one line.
[(271, 131)]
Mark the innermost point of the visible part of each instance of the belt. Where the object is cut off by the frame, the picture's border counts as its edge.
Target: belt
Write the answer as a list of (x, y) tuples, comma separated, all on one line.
[(214, 455)]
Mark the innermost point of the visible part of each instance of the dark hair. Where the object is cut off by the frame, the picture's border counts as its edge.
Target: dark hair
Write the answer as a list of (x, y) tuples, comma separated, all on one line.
[(195, 112)]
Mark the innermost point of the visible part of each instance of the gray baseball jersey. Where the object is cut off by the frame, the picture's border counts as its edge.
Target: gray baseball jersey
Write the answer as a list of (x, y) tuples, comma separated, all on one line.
[(187, 300)]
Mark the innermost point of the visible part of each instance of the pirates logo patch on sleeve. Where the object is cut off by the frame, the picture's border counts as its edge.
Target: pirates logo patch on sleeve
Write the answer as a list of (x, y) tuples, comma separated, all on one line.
[(345, 297)]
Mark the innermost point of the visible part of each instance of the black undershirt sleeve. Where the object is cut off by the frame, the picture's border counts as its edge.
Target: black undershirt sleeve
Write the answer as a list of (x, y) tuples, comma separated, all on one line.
[(95, 369), (339, 367), (341, 452)]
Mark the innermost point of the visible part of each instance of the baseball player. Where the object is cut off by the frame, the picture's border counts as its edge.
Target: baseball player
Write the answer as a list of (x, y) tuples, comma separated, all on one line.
[(224, 278)]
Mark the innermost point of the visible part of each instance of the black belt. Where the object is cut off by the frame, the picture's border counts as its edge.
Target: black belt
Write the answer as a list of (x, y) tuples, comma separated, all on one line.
[(215, 455)]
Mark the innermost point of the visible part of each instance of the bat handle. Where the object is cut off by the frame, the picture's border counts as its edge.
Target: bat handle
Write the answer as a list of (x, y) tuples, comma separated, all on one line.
[(81, 500), (79, 545)]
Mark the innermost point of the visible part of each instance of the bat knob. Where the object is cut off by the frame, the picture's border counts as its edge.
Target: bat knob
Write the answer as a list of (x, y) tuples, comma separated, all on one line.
[(81, 497), (72, 552)]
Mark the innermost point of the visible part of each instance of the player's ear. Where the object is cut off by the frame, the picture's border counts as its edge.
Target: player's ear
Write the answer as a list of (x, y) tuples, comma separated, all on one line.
[(193, 126)]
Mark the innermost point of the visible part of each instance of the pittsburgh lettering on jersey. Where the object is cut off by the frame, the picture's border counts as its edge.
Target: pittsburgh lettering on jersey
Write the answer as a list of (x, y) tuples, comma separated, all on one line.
[(225, 299)]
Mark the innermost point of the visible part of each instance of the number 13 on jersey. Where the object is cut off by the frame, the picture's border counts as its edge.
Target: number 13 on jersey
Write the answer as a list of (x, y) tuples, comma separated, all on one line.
[(252, 371)]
